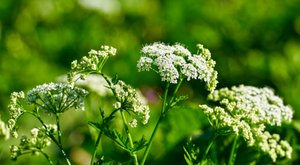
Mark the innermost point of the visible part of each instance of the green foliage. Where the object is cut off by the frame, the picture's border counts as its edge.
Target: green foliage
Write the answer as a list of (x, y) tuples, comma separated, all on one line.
[(253, 42)]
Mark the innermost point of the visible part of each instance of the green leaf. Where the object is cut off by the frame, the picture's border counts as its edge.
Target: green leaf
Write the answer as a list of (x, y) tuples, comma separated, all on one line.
[(115, 79), (138, 145), (95, 125), (178, 100)]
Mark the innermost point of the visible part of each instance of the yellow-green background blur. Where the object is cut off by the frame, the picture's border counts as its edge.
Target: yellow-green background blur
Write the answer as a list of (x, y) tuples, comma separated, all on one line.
[(253, 42)]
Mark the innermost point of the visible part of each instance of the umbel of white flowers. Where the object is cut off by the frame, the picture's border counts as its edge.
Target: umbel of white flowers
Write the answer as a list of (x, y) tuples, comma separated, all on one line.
[(57, 97), (175, 62), (246, 111)]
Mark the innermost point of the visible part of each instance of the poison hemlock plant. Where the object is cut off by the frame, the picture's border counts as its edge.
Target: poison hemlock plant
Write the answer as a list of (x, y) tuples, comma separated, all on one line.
[(242, 111)]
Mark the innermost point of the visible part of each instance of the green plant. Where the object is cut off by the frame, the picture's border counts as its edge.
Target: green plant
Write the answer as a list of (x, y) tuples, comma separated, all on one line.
[(244, 113)]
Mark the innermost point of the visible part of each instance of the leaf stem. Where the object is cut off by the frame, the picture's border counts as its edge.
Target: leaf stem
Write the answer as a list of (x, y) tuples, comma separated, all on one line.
[(208, 147), (47, 157), (157, 124), (165, 107), (58, 142), (132, 153), (96, 146), (233, 151)]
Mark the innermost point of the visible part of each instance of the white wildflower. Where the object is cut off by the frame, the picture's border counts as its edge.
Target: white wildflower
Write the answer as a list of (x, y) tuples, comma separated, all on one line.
[(93, 62), (34, 132), (133, 123), (175, 62), (144, 64), (247, 110), (130, 100), (57, 97)]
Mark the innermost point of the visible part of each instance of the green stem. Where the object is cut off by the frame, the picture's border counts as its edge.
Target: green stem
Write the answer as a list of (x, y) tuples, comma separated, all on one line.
[(174, 94), (58, 128), (47, 157), (165, 107), (96, 146), (208, 148), (233, 151), (59, 143), (157, 124), (133, 154)]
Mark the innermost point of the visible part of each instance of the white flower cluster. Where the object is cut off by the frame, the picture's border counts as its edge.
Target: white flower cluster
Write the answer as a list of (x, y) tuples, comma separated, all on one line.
[(39, 140), (94, 61), (174, 62), (128, 99), (246, 111), (4, 130), (57, 97), (15, 111)]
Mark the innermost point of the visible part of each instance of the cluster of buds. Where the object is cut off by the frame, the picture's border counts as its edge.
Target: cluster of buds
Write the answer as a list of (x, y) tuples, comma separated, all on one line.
[(128, 99), (35, 144), (246, 111)]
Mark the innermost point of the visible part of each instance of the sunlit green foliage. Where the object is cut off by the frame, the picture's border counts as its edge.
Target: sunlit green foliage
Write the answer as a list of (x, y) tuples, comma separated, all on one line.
[(253, 43)]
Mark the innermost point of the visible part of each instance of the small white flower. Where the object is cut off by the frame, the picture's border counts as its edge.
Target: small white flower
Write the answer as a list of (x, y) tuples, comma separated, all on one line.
[(133, 123), (34, 132), (117, 105), (144, 64), (132, 101)]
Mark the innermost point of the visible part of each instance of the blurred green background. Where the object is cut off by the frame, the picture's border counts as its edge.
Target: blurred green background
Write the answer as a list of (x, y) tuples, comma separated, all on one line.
[(253, 43)]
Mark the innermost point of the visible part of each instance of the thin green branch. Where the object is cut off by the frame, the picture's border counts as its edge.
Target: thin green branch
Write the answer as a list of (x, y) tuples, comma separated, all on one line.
[(132, 153), (233, 151), (95, 147), (157, 124)]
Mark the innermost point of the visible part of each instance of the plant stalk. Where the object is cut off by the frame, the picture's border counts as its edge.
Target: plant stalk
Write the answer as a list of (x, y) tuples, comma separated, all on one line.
[(233, 151), (133, 154), (95, 148)]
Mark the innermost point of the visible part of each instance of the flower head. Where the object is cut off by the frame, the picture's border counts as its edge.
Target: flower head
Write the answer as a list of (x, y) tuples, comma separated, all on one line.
[(15, 107), (130, 100), (174, 62), (56, 97), (39, 140), (246, 111), (93, 62)]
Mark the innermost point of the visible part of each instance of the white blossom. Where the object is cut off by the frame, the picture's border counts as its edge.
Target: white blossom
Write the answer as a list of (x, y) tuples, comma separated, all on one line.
[(57, 97), (247, 110), (130, 100), (93, 62), (174, 62)]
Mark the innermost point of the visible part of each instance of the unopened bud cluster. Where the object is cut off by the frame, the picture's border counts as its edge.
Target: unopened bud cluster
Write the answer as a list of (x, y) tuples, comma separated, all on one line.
[(93, 62), (15, 111), (35, 144), (128, 99)]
